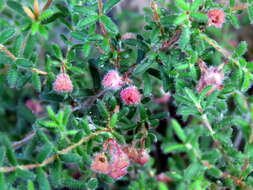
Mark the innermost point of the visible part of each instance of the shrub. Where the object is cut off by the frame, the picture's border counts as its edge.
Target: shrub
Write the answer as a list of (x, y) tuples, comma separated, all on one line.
[(96, 99)]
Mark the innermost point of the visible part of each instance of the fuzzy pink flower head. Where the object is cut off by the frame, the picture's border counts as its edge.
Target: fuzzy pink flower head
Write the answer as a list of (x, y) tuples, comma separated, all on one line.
[(34, 106), (112, 80), (212, 76), (63, 83), (130, 95), (100, 164), (216, 17), (119, 165)]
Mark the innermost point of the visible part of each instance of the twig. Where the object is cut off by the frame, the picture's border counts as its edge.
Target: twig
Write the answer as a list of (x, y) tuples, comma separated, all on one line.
[(14, 58), (54, 157)]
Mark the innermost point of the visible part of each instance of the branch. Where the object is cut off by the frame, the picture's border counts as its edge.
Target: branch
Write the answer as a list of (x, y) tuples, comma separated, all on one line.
[(14, 58), (54, 157)]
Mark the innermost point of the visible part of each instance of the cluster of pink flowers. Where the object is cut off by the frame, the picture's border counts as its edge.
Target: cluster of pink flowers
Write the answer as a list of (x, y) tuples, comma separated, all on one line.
[(212, 76), (63, 83), (137, 155), (130, 95), (216, 17), (119, 159)]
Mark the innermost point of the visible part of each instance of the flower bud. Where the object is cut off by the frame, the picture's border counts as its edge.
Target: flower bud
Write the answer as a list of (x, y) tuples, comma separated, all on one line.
[(130, 95), (34, 106), (63, 83), (139, 156), (216, 17), (112, 80)]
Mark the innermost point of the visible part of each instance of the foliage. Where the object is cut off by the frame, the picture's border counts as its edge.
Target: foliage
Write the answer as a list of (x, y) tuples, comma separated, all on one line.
[(200, 139)]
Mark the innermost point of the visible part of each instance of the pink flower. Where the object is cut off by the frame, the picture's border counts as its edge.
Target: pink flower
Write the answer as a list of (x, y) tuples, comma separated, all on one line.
[(130, 95), (112, 80), (118, 173), (216, 17), (137, 155), (128, 36), (163, 178), (212, 76), (34, 106), (164, 99), (119, 164), (63, 83), (100, 164)]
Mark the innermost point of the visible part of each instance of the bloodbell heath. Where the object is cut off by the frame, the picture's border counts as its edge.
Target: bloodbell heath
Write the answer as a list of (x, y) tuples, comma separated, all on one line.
[(130, 95), (112, 80), (63, 83), (216, 17), (212, 76), (100, 164)]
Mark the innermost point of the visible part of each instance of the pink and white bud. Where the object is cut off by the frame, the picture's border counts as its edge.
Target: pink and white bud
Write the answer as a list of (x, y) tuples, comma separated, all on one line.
[(212, 76), (34, 106), (163, 178), (100, 164), (130, 95), (137, 155), (63, 83), (216, 17), (165, 97), (112, 80), (128, 36)]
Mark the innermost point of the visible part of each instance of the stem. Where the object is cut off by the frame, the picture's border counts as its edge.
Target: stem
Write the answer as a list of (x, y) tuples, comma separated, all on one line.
[(54, 157), (14, 58)]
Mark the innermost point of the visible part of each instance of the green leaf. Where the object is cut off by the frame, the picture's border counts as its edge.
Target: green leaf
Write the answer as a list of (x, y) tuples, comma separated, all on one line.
[(35, 27), (184, 38), (174, 147), (44, 152), (109, 5), (178, 130), (147, 84), (2, 182), (12, 76), (87, 21), (109, 24), (250, 13), (23, 62), (66, 115), (246, 81), (180, 19), (36, 81), (182, 4), (92, 183), (196, 4), (241, 49), (10, 154), (86, 49), (103, 110), (25, 174), (30, 185), (71, 158), (6, 35), (114, 120), (42, 180), (85, 126), (191, 95)]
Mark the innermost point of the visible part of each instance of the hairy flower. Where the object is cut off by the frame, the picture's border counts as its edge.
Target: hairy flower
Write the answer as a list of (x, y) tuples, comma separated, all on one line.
[(63, 83), (137, 155), (112, 80), (212, 76), (130, 95), (100, 164), (34, 106), (216, 17), (119, 164)]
